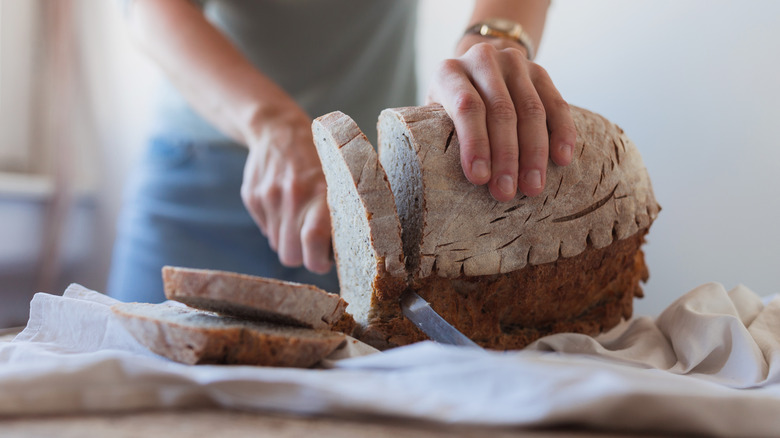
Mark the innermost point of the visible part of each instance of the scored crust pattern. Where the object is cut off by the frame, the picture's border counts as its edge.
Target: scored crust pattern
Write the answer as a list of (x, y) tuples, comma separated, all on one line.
[(604, 195)]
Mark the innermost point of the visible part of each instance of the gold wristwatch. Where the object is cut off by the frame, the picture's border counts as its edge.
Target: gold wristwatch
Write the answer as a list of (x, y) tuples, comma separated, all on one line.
[(503, 28)]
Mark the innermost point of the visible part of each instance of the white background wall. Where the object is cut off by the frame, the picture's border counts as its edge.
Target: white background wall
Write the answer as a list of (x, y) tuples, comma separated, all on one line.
[(696, 85)]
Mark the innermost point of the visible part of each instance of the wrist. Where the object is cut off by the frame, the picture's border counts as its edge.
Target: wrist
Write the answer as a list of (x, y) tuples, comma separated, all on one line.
[(504, 30), (266, 117)]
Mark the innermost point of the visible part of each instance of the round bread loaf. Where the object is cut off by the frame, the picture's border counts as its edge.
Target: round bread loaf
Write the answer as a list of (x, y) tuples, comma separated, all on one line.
[(507, 273)]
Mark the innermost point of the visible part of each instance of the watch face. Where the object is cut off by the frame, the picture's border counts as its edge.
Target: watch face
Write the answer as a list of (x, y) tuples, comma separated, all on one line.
[(503, 28), (502, 25)]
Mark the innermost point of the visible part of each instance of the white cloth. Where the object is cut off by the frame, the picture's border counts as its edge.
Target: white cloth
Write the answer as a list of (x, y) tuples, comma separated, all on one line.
[(709, 364)]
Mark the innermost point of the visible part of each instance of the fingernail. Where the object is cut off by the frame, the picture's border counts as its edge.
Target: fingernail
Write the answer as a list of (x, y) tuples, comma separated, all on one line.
[(566, 150), (480, 169), (533, 178), (506, 184)]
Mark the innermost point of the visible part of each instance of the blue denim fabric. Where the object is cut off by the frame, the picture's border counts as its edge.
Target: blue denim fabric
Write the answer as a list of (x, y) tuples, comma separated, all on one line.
[(183, 207)]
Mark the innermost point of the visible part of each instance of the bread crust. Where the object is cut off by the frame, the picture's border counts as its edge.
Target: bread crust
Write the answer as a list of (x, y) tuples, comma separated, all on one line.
[(603, 195), (588, 293), (255, 298), (193, 336)]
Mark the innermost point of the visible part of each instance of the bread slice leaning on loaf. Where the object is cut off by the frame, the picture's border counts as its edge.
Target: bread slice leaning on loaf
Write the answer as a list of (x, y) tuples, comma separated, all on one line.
[(507, 273), (193, 336), (257, 298), (366, 230)]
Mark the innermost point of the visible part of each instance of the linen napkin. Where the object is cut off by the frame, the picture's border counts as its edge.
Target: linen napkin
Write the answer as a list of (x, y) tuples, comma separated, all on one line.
[(709, 364)]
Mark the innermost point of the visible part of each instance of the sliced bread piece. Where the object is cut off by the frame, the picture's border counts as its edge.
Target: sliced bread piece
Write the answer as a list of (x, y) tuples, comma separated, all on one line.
[(193, 336), (366, 229), (256, 298)]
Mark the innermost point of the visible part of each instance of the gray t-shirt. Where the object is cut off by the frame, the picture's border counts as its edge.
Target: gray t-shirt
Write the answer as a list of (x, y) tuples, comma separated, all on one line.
[(356, 56)]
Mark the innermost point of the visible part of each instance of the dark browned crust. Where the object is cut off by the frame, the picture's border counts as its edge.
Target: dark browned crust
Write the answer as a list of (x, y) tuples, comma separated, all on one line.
[(231, 341), (346, 324), (387, 287), (589, 293), (386, 294), (243, 347)]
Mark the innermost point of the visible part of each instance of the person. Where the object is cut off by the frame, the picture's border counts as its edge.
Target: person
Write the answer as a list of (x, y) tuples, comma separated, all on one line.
[(231, 179)]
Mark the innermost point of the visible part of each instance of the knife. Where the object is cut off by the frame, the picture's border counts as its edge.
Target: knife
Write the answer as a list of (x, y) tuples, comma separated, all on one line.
[(431, 323)]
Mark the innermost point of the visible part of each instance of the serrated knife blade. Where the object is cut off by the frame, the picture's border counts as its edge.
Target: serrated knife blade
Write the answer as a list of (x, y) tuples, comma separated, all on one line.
[(431, 323)]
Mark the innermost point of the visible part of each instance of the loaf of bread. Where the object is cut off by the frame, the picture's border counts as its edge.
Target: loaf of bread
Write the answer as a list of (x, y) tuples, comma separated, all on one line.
[(257, 298), (193, 336), (504, 274)]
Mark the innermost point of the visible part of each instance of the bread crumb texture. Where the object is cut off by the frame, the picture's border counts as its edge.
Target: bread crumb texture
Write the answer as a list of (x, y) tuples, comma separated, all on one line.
[(366, 230), (252, 297), (193, 336)]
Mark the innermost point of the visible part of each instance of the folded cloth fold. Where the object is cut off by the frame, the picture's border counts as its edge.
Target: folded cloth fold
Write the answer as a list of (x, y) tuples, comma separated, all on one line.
[(726, 337), (708, 364)]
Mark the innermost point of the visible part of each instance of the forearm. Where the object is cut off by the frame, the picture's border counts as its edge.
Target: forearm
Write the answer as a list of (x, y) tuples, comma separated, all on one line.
[(531, 14), (215, 78)]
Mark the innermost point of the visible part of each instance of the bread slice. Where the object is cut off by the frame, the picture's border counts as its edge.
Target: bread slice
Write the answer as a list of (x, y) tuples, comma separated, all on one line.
[(504, 274), (366, 229), (193, 336), (256, 298)]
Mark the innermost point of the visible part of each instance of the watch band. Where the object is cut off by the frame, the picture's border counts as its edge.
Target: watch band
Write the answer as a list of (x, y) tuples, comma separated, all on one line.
[(502, 28)]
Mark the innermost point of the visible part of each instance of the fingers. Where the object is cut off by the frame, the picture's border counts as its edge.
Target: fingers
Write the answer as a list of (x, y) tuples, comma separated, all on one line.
[(484, 117), (501, 121), (304, 233), (507, 112), (464, 104), (531, 129), (286, 198), (300, 231), (563, 133), (260, 200), (315, 237), (251, 194)]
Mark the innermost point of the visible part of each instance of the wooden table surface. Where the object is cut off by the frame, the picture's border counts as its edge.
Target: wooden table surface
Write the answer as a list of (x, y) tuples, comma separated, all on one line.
[(215, 423), (219, 423)]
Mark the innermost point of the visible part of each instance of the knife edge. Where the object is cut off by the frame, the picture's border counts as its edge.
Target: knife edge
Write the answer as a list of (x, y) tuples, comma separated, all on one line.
[(420, 312)]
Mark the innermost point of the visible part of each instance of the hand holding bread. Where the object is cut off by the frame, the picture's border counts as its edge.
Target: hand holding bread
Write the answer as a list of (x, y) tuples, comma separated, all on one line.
[(509, 117)]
